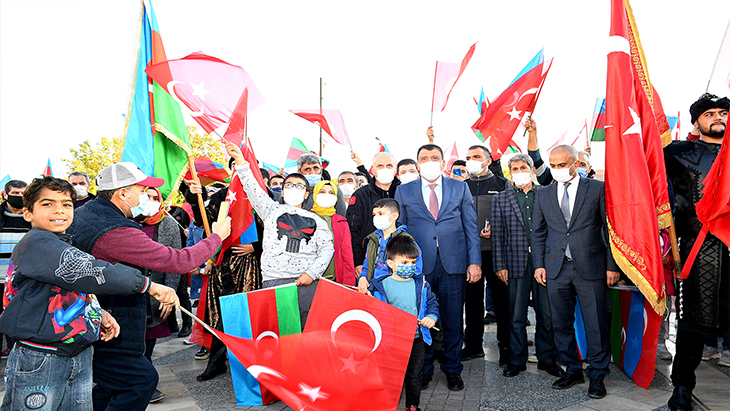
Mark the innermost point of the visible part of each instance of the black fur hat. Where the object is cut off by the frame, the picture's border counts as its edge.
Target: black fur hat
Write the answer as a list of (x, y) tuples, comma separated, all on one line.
[(706, 102)]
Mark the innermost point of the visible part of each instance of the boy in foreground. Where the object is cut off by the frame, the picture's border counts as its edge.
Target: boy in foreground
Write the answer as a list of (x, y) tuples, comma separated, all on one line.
[(405, 288), (51, 311)]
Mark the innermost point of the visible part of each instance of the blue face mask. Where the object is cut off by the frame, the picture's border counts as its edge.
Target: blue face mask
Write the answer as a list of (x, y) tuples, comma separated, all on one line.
[(313, 179), (141, 207), (582, 172), (405, 271), (276, 189)]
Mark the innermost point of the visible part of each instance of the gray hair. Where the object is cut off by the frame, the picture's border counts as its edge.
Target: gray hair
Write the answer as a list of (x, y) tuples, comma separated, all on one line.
[(384, 154), (308, 159), (564, 148), (80, 173), (585, 153), (520, 157)]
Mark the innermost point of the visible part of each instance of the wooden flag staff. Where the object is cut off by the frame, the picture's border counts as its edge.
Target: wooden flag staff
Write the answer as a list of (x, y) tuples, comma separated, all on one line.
[(201, 204)]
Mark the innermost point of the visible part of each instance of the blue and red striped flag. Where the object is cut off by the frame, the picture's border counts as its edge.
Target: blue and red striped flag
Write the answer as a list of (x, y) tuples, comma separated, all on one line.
[(47, 170)]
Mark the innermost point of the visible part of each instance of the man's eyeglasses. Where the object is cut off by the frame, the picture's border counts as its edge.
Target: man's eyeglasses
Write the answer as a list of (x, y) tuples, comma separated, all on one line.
[(299, 186)]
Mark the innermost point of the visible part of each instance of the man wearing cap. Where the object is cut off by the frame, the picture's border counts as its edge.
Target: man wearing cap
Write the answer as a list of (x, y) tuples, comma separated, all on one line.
[(124, 378), (703, 303)]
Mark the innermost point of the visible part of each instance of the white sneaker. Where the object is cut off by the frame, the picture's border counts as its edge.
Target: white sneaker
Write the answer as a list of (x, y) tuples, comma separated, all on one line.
[(710, 353), (663, 353), (724, 358)]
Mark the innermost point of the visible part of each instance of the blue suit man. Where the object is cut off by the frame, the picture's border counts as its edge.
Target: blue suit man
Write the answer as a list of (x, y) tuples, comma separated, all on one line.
[(572, 258), (441, 217)]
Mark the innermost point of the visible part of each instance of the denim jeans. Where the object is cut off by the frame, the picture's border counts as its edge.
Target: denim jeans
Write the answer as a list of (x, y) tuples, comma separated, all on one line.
[(39, 380)]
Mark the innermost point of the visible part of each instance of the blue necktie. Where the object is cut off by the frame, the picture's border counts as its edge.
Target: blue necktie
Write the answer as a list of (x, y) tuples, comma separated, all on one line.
[(565, 208)]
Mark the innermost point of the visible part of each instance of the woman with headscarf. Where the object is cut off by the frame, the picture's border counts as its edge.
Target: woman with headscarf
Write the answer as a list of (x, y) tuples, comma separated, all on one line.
[(342, 267), (162, 228)]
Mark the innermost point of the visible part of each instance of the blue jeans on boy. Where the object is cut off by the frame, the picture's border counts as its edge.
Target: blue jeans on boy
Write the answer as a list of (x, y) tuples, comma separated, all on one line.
[(40, 380)]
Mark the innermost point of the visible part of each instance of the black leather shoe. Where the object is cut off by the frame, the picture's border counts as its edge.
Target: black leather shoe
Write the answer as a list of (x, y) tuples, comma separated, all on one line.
[(469, 354), (210, 374), (552, 369), (513, 370), (568, 381), (681, 399), (454, 382), (185, 331), (597, 389), (425, 380)]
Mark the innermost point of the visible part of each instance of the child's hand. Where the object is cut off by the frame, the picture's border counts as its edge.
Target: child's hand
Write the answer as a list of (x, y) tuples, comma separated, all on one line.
[(428, 322), (109, 327), (362, 285), (304, 279)]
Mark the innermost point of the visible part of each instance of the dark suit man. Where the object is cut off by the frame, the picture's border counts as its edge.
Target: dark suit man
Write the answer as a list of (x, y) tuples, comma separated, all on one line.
[(440, 215), (571, 257), (512, 211)]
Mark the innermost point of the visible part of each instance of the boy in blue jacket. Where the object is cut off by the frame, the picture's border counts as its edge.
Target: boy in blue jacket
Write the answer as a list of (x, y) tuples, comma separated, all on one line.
[(405, 288), (52, 312), (385, 215)]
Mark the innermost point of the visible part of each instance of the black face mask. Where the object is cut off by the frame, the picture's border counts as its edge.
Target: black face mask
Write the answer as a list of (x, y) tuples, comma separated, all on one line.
[(15, 201)]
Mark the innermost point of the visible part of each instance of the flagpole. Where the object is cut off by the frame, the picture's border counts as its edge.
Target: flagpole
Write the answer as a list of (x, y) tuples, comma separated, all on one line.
[(714, 66), (675, 247), (320, 113), (201, 204)]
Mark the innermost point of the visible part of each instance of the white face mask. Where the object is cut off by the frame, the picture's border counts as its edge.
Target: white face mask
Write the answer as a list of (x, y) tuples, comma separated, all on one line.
[(385, 175), (431, 170), (561, 175), (151, 208), (293, 196), (521, 179), (347, 189), (81, 191), (408, 177), (474, 167), (381, 222), (325, 200)]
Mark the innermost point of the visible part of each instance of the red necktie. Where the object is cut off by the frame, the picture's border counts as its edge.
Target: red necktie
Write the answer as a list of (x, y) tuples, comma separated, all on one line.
[(433, 202)]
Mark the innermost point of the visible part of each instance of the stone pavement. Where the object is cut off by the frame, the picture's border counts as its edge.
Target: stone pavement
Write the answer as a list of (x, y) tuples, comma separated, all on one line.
[(486, 388)]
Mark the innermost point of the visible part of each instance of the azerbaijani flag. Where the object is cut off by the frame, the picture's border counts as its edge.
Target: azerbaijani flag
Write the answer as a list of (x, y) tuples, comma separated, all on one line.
[(47, 170), (536, 61), (599, 121), (262, 316), (296, 149), (268, 166), (634, 332), (209, 171), (4, 181), (155, 137)]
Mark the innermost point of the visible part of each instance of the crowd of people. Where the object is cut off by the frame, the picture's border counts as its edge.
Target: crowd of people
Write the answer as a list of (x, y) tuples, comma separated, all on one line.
[(456, 247)]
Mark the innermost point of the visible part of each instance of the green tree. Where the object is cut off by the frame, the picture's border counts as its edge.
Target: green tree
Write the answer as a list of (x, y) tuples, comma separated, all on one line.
[(91, 158)]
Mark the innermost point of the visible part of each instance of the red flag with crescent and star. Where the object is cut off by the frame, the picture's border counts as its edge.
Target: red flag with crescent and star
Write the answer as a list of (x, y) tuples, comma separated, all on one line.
[(637, 203), (209, 87), (501, 118), (353, 347)]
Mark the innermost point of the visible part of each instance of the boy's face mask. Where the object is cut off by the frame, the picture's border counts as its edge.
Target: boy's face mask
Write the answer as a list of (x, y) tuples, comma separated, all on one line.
[(382, 222), (405, 271)]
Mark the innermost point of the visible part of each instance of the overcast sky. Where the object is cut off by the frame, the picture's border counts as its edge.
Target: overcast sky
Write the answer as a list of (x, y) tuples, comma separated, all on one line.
[(66, 66)]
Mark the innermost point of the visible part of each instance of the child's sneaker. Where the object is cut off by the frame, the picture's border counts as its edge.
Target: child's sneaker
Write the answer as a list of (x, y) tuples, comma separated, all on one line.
[(724, 358), (202, 354), (663, 353), (710, 353)]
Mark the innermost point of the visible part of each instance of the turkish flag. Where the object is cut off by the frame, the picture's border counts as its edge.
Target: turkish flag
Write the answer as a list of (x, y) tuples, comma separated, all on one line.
[(330, 120), (445, 72), (713, 209), (453, 156), (209, 87), (501, 118), (237, 126), (637, 204), (354, 348)]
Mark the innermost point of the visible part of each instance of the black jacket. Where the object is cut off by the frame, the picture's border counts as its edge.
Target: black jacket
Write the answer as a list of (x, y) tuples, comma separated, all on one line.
[(91, 221), (483, 189)]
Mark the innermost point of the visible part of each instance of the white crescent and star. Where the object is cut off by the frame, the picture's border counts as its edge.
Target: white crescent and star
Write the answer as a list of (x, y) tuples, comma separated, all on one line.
[(618, 44), (264, 335), (199, 90), (171, 90), (257, 370), (514, 114), (362, 316), (349, 363), (635, 128)]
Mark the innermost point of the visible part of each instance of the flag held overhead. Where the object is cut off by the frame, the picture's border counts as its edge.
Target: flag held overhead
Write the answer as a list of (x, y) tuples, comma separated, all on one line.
[(445, 73), (329, 120)]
